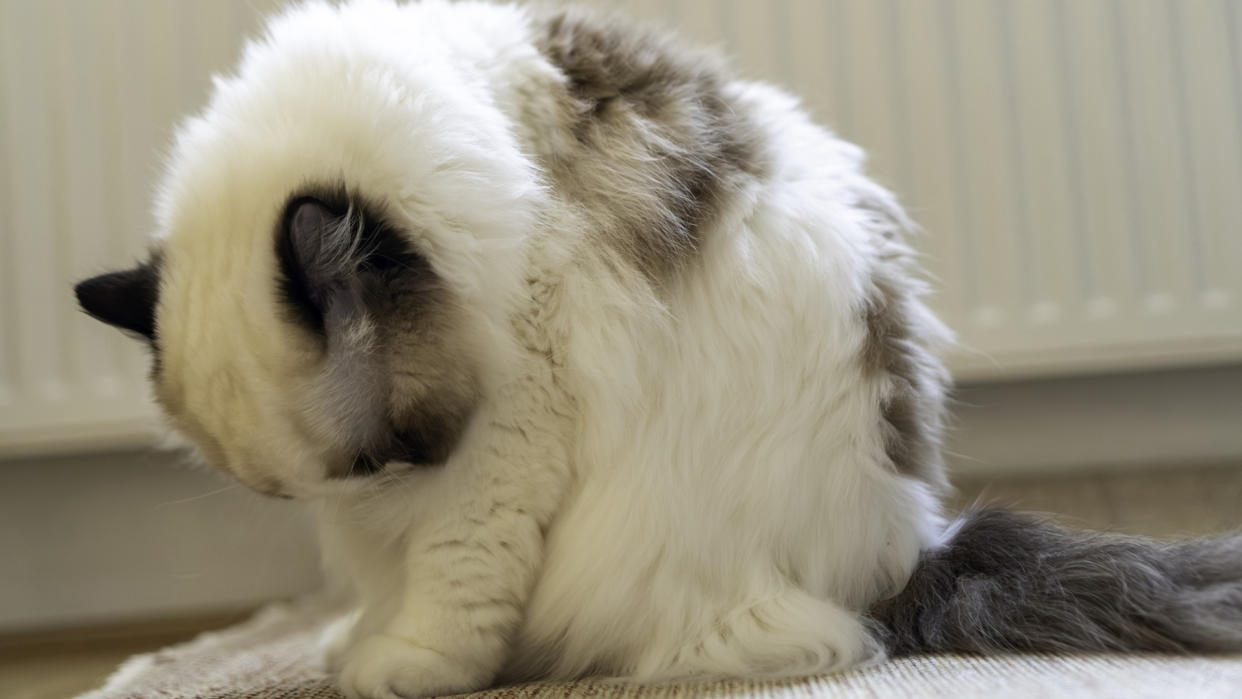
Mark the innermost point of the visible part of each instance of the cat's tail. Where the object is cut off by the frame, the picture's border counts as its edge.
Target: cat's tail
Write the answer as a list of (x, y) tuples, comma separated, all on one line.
[(1006, 582)]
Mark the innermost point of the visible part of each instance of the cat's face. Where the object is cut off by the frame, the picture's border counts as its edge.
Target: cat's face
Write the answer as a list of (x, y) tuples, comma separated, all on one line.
[(339, 238), (338, 353)]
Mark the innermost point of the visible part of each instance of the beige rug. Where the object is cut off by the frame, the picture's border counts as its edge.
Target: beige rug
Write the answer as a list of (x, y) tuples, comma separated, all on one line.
[(271, 657)]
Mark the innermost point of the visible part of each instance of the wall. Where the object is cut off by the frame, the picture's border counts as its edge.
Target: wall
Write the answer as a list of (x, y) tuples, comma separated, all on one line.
[(133, 535), (1169, 419)]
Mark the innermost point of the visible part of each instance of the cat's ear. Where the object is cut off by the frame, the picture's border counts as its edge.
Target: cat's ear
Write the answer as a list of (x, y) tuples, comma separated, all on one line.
[(317, 249), (124, 299)]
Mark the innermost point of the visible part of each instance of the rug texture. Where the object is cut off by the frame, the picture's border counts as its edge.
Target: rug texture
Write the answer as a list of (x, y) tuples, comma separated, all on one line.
[(272, 656)]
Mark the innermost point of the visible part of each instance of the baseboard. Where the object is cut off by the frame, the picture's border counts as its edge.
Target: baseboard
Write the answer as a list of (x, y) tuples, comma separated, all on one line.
[(137, 633), (117, 538), (1166, 418)]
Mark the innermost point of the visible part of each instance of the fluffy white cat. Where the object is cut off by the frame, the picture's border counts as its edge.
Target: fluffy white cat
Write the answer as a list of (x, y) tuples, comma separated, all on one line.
[(596, 359)]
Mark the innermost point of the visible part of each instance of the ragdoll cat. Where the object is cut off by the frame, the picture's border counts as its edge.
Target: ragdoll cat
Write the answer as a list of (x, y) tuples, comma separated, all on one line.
[(597, 360)]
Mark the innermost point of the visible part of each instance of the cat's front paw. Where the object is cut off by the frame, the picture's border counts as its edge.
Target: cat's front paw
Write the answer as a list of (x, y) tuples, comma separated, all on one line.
[(388, 667)]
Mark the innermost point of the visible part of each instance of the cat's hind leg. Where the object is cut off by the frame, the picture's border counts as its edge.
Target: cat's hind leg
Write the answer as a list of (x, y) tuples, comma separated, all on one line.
[(788, 634)]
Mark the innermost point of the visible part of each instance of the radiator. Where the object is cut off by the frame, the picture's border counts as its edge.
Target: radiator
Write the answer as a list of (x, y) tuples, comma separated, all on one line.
[(91, 91), (1076, 166)]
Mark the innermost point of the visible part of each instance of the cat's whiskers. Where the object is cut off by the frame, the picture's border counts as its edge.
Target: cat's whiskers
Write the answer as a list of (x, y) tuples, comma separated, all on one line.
[(194, 498)]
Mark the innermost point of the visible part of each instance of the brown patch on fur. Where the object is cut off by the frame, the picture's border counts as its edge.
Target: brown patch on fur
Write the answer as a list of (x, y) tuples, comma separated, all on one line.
[(895, 352), (911, 407), (888, 328), (397, 376), (434, 385), (653, 145)]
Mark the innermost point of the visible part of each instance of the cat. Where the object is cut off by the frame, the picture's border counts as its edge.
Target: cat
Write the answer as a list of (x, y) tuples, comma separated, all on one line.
[(596, 360)]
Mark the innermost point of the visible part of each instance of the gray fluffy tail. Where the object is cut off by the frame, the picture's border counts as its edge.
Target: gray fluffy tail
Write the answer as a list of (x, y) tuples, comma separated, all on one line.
[(1011, 582)]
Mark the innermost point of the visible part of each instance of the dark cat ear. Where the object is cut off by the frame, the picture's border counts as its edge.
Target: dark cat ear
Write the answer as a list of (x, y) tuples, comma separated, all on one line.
[(315, 250), (123, 299)]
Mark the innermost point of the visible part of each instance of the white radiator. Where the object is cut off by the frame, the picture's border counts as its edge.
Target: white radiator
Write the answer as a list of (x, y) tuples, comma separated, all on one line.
[(1077, 165), (89, 94)]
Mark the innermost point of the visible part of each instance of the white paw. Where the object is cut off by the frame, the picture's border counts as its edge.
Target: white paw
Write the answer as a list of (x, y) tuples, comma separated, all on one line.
[(387, 667)]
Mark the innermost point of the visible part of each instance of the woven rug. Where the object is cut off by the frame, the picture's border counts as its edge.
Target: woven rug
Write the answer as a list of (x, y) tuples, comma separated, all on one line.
[(271, 657)]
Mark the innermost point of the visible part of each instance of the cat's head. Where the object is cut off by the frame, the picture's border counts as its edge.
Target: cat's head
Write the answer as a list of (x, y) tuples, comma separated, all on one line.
[(339, 236)]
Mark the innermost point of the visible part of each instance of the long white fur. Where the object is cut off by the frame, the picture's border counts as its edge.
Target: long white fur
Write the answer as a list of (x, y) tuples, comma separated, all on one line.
[(660, 485)]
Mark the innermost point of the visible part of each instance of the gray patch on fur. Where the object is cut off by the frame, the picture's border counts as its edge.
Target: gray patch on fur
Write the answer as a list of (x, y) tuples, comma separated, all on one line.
[(1010, 582), (911, 409), (896, 348), (654, 144)]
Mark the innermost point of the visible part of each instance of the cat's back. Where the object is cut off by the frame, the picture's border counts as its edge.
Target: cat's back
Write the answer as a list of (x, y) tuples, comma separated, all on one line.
[(733, 400)]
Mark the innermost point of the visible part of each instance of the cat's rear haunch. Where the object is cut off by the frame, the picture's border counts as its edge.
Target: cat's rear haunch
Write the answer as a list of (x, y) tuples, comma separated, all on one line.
[(597, 360)]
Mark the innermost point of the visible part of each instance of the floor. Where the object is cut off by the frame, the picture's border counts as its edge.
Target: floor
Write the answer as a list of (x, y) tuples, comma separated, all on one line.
[(1169, 502), (56, 673), (62, 664)]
